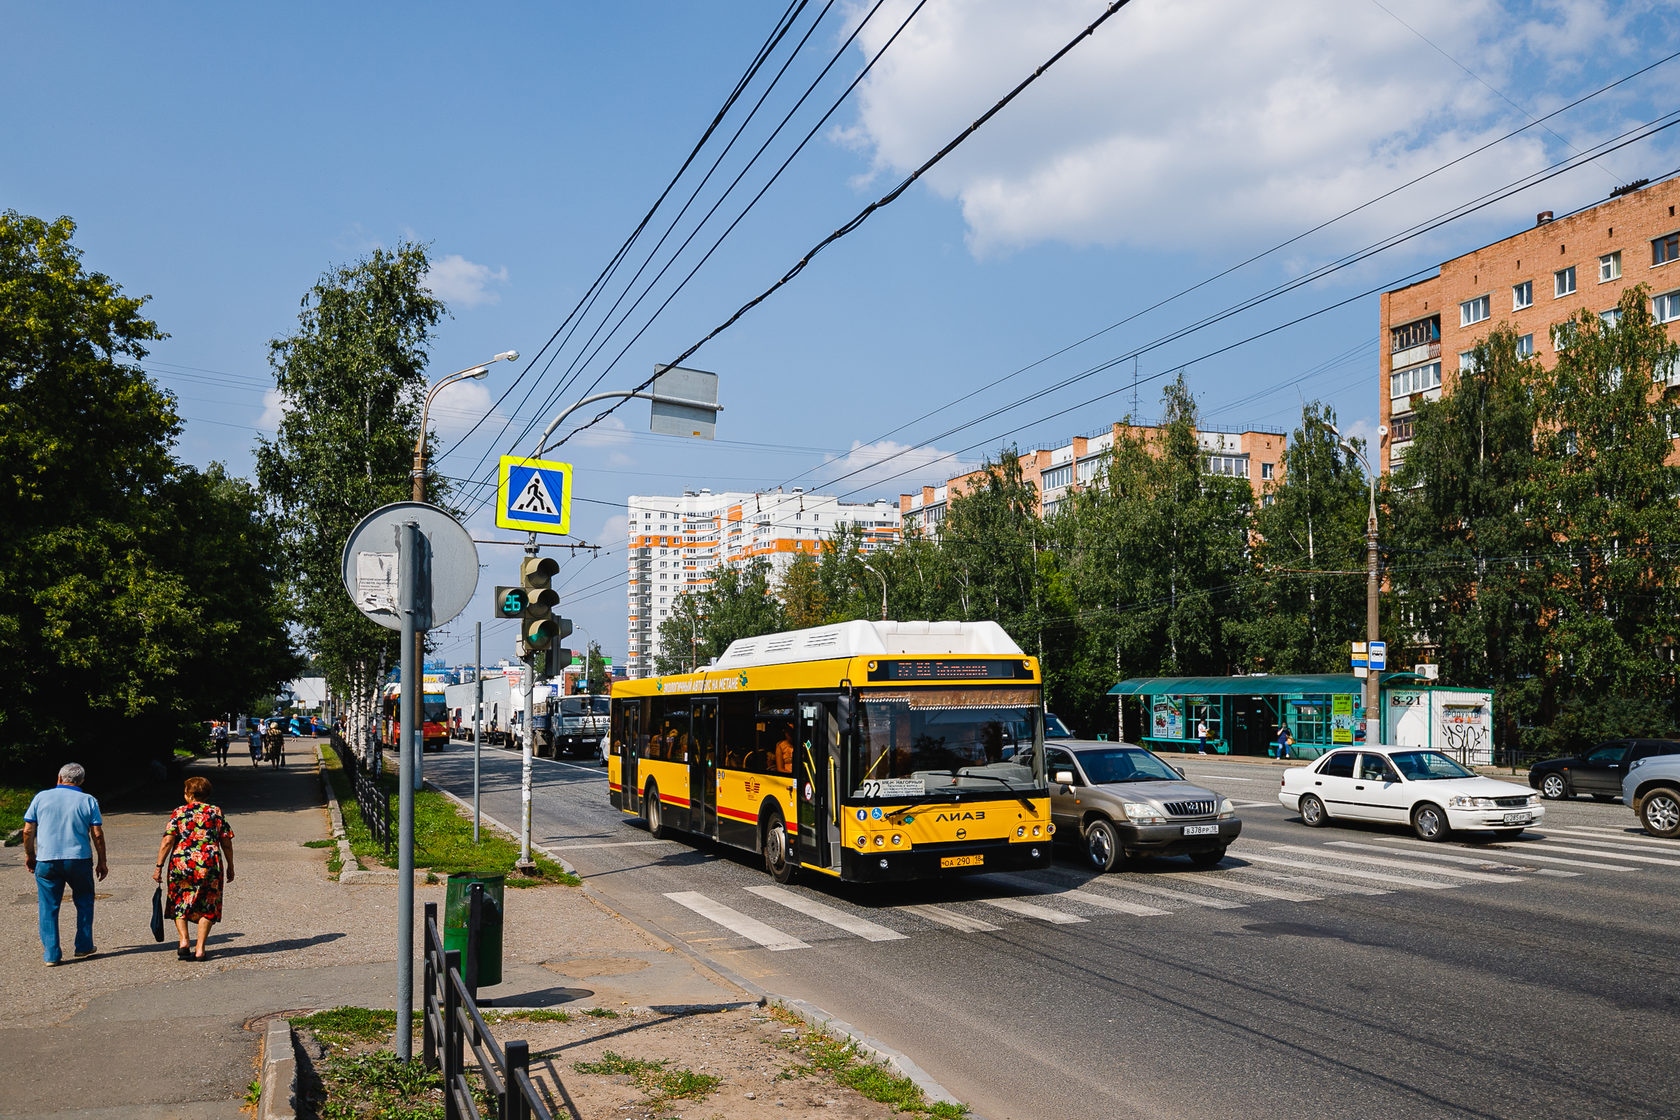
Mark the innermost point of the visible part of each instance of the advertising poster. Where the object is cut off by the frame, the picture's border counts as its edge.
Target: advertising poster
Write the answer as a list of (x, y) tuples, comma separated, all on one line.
[(1341, 718)]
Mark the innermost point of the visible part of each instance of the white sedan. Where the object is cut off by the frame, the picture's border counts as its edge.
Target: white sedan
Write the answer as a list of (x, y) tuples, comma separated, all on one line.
[(1407, 785)]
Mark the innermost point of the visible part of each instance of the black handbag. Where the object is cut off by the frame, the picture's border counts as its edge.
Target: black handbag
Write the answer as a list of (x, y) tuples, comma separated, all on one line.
[(157, 914)]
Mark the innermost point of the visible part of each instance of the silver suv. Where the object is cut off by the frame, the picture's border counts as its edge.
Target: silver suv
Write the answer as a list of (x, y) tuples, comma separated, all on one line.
[(1122, 801), (1651, 788)]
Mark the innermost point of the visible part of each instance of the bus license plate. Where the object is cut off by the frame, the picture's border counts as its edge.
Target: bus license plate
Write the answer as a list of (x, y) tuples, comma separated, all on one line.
[(962, 861), (1201, 830)]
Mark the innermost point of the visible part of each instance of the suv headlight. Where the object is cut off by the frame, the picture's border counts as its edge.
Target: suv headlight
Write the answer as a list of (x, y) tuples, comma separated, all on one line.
[(1226, 808), (1140, 813), (1470, 803)]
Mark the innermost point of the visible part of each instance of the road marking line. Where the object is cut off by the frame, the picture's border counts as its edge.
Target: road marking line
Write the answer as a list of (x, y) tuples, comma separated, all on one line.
[(1602, 854), (1349, 872), (1567, 874), (1181, 896), (733, 920), (1223, 881), (1614, 840), (1224, 778), (1444, 857), (1526, 852), (811, 908), (950, 918), (608, 844), (1613, 834), (1028, 910), (1309, 881), (1136, 909), (1404, 865)]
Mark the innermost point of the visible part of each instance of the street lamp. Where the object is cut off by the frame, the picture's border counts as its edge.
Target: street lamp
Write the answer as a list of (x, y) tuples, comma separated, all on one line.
[(477, 372), (1373, 694), (871, 569)]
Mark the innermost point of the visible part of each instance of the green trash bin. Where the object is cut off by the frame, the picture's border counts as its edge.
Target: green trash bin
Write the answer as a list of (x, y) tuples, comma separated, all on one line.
[(457, 900)]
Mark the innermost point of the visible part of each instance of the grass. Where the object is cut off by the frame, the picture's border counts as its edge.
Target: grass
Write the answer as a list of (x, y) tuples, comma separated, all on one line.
[(527, 1016), (601, 1013), (842, 1061), (13, 801), (327, 843), (654, 1078), (343, 1026), (442, 837), (380, 1085)]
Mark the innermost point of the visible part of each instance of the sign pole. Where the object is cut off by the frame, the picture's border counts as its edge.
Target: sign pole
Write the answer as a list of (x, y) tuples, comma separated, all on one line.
[(478, 705), (525, 864), (408, 578)]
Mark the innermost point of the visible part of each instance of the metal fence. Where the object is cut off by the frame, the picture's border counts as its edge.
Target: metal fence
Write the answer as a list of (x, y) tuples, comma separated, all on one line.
[(373, 801), (452, 1023)]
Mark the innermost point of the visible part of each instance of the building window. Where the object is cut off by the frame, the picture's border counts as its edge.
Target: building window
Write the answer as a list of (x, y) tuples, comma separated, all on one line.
[(1231, 466), (1473, 311), (1559, 338), (1611, 318), (1563, 282), (1522, 295), (1418, 379), (1665, 249), (1266, 470), (1467, 362), (1402, 428), (1610, 266), (1057, 477), (1525, 347), (1666, 307), (1417, 334)]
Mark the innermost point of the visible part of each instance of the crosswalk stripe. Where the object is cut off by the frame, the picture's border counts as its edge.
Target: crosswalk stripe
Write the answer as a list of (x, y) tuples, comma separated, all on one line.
[(1352, 873), (1404, 865), (1603, 854), (811, 908), (1090, 897), (949, 918), (1226, 881), (736, 922), (1309, 881), (1527, 851), (1444, 857), (1614, 840), (1029, 910), (1126, 883)]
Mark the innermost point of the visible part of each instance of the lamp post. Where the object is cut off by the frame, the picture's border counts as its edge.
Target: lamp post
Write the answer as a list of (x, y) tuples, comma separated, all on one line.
[(872, 571), (1373, 692)]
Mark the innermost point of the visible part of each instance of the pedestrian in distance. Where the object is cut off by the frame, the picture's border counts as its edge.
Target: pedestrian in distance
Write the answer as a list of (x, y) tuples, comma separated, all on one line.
[(1202, 736), (1284, 741), (253, 731), (197, 852), (62, 831), (219, 737)]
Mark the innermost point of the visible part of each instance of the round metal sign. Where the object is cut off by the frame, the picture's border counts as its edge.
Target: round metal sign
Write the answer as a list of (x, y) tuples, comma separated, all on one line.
[(448, 565)]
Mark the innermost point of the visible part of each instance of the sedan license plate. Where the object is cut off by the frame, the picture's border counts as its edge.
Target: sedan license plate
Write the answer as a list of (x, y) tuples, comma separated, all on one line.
[(962, 861), (1518, 818), (1201, 830)]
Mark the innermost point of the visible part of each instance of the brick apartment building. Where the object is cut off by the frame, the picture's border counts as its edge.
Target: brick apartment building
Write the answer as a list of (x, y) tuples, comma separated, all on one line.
[(1254, 454), (1533, 280), (677, 543)]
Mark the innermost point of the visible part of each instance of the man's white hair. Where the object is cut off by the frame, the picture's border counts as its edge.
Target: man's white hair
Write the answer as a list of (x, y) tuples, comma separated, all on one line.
[(71, 774)]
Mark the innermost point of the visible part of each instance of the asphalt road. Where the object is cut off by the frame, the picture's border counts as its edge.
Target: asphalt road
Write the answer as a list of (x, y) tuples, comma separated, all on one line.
[(1350, 970)]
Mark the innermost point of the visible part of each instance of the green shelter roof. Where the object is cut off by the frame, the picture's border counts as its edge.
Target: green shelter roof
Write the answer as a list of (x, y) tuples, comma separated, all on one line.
[(1269, 685)]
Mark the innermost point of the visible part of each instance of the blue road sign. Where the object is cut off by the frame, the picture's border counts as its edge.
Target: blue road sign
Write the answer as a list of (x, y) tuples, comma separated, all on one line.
[(1379, 655), (534, 495)]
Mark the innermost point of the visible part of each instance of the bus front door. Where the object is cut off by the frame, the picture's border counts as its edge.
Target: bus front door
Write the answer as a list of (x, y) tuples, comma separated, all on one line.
[(815, 763), (702, 769)]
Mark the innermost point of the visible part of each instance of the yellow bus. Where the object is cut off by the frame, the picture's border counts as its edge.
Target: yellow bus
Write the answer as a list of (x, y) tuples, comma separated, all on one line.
[(865, 751)]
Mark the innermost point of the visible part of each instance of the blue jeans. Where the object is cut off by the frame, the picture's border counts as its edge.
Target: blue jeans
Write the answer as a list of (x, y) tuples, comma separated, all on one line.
[(50, 877)]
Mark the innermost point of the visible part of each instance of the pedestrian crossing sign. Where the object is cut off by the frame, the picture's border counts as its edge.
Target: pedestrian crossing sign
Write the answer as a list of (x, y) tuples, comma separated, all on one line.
[(534, 494)]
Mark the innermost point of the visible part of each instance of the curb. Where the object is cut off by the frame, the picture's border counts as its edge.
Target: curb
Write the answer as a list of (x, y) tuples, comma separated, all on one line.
[(347, 862), (279, 1073)]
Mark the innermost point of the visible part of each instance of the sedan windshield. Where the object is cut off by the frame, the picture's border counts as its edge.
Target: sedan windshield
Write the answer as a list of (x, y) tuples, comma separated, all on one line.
[(1427, 766), (1125, 764)]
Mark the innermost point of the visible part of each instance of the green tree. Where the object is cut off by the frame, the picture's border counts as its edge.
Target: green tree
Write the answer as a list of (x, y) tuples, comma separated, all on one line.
[(1611, 510), (1298, 621), (130, 585), (352, 379), (596, 675), (1472, 564), (740, 603), (801, 593)]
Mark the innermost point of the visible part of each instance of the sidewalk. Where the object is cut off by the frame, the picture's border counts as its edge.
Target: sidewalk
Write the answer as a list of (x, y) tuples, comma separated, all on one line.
[(135, 1033)]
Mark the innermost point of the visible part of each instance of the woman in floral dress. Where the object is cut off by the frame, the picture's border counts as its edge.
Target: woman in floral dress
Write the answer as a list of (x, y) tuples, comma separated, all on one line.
[(198, 848)]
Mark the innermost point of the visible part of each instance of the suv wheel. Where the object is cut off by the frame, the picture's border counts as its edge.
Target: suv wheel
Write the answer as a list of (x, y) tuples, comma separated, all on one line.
[(1660, 812), (1102, 846), (1553, 787)]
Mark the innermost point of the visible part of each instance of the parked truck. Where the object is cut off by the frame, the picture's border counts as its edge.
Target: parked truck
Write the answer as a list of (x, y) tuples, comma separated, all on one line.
[(581, 723), (501, 700)]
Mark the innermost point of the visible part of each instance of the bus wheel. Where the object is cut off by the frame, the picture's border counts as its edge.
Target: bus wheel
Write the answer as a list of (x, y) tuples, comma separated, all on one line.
[(655, 813), (777, 860)]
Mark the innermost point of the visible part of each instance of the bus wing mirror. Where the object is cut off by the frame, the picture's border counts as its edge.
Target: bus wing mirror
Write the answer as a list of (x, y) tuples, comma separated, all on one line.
[(843, 715)]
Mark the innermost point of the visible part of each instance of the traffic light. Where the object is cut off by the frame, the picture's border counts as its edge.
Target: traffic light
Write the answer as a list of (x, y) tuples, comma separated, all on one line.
[(510, 602), (537, 625)]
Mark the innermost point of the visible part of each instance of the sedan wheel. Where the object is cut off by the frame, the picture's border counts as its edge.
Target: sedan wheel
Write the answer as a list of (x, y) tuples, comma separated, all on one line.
[(1429, 821), (1312, 812), (1553, 787), (1102, 846), (1660, 813)]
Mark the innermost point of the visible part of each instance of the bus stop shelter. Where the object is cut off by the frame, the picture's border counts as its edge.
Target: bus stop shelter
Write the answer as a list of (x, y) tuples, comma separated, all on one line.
[(1243, 714)]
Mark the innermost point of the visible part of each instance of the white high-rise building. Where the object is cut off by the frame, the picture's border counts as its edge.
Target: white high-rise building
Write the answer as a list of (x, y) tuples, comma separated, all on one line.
[(677, 543)]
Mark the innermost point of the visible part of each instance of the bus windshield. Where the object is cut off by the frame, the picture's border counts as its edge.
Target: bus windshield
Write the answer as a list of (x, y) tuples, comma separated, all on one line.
[(929, 741), (435, 709)]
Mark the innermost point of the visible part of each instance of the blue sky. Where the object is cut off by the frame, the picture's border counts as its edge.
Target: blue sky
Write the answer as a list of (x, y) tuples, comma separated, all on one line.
[(220, 159)]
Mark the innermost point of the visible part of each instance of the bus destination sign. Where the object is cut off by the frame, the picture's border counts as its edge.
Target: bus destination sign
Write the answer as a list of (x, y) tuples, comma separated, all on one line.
[(949, 669)]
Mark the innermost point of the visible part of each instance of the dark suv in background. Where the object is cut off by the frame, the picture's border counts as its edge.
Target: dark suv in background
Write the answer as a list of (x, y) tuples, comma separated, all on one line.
[(1599, 772)]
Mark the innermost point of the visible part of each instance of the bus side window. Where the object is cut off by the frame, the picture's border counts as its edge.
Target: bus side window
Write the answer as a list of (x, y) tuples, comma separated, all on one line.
[(735, 730)]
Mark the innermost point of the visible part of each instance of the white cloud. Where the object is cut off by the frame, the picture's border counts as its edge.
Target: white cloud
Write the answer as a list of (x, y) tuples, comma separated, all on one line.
[(274, 409), (460, 282), (610, 435), (1193, 122), (891, 468), (459, 405)]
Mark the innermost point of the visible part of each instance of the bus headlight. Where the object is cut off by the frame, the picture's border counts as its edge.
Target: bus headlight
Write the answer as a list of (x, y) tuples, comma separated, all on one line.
[(1020, 830), (1035, 830), (880, 841), (897, 839), (862, 841)]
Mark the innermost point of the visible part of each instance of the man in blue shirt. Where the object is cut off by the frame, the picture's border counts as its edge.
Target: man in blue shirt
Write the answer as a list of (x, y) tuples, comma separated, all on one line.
[(62, 830)]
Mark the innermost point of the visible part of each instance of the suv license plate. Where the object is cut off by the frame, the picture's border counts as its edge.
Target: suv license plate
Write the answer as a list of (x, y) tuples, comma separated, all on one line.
[(1201, 830), (1518, 818), (962, 861)]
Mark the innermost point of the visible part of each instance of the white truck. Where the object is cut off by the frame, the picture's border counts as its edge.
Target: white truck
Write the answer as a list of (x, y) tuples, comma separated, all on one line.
[(581, 725), (500, 702)]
